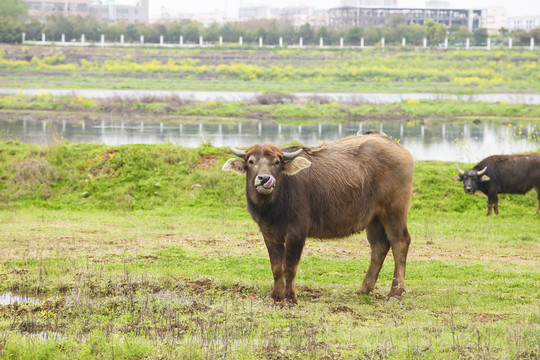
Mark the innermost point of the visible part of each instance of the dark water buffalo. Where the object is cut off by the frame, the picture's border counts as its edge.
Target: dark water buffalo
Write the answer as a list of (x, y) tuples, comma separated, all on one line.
[(502, 174), (330, 191)]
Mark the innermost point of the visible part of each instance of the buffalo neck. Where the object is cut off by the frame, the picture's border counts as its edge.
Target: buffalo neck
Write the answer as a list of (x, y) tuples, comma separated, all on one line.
[(273, 207)]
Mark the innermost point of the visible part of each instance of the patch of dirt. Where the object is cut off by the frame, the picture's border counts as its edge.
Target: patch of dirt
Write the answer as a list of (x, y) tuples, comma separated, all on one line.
[(490, 317), (19, 271), (200, 286), (342, 309), (207, 162), (306, 292)]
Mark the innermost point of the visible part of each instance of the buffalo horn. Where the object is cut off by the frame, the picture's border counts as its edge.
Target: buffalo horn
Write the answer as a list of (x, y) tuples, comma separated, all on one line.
[(460, 171), (239, 153), (291, 155), (481, 172)]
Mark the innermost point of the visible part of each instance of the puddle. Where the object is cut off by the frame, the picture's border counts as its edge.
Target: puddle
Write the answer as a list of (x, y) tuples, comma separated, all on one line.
[(11, 298)]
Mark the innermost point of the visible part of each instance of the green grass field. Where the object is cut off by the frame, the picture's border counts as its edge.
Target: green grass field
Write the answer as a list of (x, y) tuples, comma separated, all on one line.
[(271, 70), (124, 258)]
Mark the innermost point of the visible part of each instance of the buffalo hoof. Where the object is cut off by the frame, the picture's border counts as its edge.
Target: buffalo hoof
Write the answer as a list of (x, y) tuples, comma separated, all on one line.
[(291, 300), (395, 298), (283, 303), (363, 291)]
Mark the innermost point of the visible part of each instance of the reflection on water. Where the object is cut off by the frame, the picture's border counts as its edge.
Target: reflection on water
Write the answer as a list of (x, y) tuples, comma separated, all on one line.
[(11, 298), (451, 141)]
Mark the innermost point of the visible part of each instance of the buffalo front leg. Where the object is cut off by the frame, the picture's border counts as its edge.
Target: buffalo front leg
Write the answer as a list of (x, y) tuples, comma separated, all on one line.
[(293, 252), (276, 251), (379, 248), (493, 204)]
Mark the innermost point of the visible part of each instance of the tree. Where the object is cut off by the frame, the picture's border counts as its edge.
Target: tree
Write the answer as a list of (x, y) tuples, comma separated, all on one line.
[(191, 33), (14, 9), (10, 30), (461, 35), (535, 33), (132, 33), (353, 36), (272, 33), (87, 26), (435, 33), (11, 12), (521, 36), (230, 33), (33, 29), (324, 33), (306, 33), (394, 34), (211, 33), (57, 24), (397, 20), (372, 35), (480, 36), (415, 34)]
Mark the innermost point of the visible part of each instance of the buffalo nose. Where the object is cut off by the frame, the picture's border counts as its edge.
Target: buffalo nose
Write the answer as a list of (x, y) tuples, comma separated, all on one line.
[(263, 178), (468, 188)]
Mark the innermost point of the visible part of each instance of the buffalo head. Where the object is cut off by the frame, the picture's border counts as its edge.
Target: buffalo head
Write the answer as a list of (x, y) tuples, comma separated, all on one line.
[(264, 166), (471, 178)]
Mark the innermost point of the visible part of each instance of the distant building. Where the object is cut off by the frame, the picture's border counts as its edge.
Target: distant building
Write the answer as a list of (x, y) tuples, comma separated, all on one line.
[(256, 12), (523, 22), (111, 12), (108, 11), (297, 15), (438, 4), (42, 8), (496, 19), (357, 3), (379, 16), (303, 14), (207, 18)]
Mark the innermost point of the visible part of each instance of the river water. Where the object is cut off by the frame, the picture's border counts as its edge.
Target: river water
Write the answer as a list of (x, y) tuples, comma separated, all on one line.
[(464, 141)]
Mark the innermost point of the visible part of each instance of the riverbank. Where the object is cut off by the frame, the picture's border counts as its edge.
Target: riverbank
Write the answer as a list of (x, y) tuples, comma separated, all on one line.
[(276, 106), (147, 250)]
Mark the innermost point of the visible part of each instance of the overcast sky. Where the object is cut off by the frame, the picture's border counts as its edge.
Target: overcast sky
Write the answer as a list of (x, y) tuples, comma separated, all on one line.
[(513, 7)]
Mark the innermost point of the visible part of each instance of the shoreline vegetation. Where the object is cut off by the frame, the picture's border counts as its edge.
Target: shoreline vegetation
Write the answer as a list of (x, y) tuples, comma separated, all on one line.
[(273, 106), (147, 251)]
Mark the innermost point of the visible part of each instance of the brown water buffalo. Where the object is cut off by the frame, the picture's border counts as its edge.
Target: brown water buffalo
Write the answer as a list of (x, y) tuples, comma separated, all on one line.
[(502, 174), (329, 191)]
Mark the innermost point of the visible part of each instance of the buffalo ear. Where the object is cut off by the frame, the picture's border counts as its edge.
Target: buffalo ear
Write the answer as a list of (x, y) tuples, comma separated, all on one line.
[(457, 178), (236, 165), (295, 165), (484, 178)]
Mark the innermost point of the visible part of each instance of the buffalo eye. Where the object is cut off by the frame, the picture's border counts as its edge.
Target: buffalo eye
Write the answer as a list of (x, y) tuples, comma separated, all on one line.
[(276, 162), (251, 162)]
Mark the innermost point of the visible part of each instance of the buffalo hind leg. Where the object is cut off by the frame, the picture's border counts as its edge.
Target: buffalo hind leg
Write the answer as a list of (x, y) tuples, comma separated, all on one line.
[(379, 248), (400, 239), (538, 196), (276, 251)]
